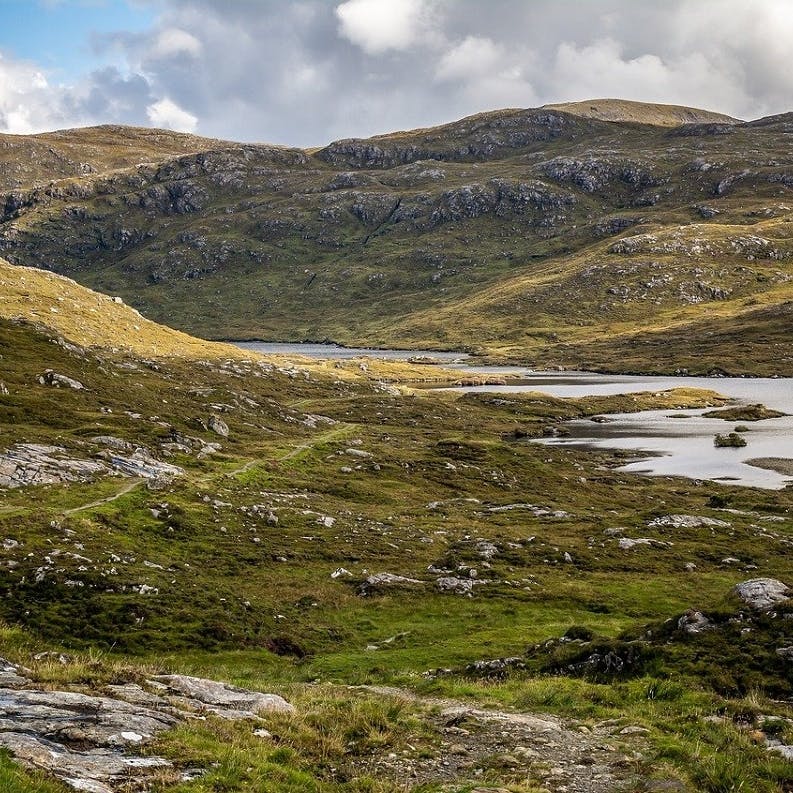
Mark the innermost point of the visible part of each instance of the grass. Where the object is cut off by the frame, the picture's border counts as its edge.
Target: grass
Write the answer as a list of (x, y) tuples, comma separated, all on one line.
[(242, 598)]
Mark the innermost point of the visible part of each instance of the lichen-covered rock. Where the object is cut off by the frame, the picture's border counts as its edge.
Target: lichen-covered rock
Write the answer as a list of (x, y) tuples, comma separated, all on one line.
[(761, 593), (222, 699), (386, 581)]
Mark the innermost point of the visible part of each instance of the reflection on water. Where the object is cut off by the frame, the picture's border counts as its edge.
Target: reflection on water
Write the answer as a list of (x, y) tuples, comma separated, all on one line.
[(674, 446)]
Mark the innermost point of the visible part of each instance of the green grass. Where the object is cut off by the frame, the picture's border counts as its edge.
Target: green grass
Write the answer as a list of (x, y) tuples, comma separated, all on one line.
[(268, 614)]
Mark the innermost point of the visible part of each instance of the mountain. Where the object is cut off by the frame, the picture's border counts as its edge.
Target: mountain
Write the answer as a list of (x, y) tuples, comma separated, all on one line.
[(602, 234)]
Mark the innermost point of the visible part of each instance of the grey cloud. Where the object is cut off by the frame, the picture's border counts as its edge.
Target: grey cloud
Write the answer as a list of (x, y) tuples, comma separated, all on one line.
[(291, 73)]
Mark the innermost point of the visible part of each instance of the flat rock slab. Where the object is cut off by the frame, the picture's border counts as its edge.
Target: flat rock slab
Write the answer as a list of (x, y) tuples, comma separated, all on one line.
[(221, 699), (91, 742), (94, 770), (79, 719)]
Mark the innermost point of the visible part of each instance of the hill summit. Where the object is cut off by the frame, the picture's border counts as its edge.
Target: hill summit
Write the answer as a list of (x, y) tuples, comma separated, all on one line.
[(642, 112)]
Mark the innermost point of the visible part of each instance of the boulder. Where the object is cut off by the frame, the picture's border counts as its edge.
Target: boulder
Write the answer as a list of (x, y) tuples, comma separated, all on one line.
[(761, 593), (218, 426), (48, 377), (460, 586), (222, 699), (694, 622)]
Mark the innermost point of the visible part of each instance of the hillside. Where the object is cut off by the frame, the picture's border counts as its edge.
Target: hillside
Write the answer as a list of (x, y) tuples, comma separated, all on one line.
[(32, 160), (623, 110), (545, 236), (90, 319), (443, 605)]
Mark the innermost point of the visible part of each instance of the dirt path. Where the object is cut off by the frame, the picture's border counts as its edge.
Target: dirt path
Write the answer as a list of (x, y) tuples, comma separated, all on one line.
[(328, 435), (479, 745), (128, 488)]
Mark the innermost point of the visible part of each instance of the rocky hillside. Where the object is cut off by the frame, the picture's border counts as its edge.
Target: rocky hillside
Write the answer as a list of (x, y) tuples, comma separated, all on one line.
[(657, 241)]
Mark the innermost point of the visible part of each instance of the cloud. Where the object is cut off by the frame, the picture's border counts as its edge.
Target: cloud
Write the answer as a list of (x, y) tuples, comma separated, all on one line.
[(310, 71), (24, 97), (377, 26), (472, 57), (173, 41), (167, 114)]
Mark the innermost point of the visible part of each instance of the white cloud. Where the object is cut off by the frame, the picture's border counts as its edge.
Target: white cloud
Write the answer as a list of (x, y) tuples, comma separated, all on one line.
[(167, 114), (380, 25), (473, 56), (28, 103), (173, 41), (309, 71)]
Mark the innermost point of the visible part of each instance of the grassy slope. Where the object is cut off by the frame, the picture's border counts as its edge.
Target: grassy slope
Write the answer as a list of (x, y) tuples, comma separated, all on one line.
[(27, 160), (474, 234), (641, 112), (242, 598)]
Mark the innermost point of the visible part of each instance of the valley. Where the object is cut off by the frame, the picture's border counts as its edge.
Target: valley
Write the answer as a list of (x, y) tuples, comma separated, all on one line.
[(332, 532), (255, 568)]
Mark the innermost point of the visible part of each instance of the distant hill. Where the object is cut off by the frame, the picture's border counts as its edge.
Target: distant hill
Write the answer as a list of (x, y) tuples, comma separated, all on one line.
[(547, 236), (642, 112)]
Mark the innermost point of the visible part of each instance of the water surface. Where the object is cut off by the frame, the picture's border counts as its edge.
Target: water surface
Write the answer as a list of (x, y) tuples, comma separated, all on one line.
[(335, 352), (675, 446)]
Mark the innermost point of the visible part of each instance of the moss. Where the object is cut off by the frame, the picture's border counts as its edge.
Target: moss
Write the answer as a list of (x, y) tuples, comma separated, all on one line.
[(732, 439)]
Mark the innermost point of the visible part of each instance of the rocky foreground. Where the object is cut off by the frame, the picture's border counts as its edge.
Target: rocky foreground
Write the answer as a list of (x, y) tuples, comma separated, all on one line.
[(97, 743)]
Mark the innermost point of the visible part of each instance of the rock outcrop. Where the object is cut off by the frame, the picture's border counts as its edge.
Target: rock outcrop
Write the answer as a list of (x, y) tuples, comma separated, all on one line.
[(762, 593), (26, 464), (92, 743)]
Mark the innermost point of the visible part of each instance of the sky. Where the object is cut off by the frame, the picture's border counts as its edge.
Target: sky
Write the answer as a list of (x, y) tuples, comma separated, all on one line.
[(306, 72)]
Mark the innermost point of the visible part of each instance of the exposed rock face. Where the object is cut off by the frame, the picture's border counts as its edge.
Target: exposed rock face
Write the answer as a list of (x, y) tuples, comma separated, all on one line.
[(627, 543), (459, 586), (385, 581), (90, 742), (36, 464), (223, 700), (762, 593), (26, 464), (92, 771), (687, 522)]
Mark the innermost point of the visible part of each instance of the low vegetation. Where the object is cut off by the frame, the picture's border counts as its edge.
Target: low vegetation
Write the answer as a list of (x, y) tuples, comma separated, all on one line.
[(731, 439), (522, 578), (744, 413)]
